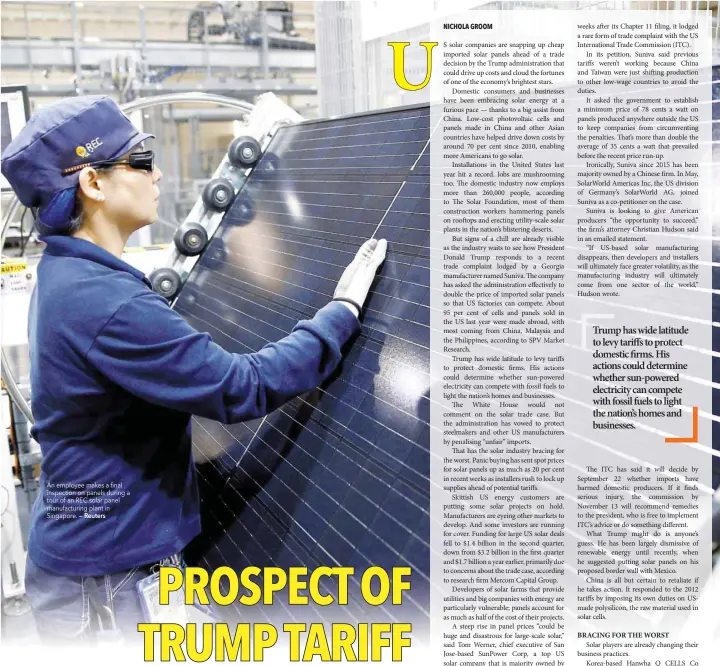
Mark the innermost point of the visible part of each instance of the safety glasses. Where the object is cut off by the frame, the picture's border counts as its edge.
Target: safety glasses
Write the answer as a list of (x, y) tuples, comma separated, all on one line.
[(144, 161)]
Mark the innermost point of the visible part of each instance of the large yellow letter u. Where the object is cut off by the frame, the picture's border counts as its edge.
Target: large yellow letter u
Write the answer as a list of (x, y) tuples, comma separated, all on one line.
[(399, 64)]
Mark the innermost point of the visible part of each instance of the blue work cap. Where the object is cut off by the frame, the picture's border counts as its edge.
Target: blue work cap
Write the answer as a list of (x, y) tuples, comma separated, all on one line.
[(62, 135)]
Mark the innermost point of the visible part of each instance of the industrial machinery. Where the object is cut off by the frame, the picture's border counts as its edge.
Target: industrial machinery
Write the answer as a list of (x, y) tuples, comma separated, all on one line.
[(13, 556), (243, 23), (192, 237)]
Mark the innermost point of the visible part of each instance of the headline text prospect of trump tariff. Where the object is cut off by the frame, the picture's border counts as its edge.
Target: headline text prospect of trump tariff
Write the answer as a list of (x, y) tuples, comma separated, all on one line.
[(571, 272)]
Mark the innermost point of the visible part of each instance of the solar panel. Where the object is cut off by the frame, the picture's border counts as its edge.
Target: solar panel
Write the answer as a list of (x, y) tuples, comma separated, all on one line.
[(339, 476)]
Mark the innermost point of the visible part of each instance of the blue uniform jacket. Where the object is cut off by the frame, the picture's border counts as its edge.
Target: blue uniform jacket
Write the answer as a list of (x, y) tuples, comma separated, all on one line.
[(115, 376)]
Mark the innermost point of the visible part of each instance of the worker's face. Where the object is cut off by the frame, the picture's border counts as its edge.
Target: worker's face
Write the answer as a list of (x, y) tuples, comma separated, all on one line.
[(128, 197)]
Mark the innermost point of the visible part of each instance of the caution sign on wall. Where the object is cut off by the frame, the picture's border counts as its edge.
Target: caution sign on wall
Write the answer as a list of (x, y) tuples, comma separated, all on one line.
[(16, 277)]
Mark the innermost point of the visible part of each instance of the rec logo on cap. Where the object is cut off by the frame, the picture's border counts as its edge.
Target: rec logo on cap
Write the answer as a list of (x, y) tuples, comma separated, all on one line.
[(58, 136), (88, 148)]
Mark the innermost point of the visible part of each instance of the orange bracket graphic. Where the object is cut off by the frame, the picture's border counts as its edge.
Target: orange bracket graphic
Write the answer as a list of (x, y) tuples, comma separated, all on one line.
[(688, 440)]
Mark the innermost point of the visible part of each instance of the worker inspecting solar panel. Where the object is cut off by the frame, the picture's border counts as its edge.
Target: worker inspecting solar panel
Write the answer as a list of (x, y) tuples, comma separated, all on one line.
[(116, 373)]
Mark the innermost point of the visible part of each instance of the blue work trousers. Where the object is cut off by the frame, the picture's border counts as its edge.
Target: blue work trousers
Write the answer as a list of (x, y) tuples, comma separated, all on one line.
[(68, 609)]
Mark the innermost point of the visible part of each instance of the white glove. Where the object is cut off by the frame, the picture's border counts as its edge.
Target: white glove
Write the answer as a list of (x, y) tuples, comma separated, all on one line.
[(354, 284)]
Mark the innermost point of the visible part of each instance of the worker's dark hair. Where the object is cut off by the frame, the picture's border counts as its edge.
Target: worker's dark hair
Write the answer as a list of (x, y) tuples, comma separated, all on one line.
[(75, 221)]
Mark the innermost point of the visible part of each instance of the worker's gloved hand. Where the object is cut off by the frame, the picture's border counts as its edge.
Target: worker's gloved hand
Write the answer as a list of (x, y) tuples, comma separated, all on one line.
[(354, 284)]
